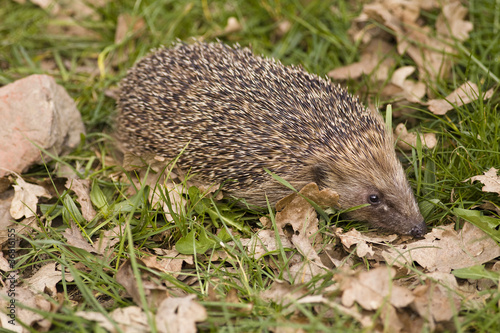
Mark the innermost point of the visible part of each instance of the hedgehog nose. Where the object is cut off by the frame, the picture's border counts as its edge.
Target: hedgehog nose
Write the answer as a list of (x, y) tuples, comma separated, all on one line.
[(419, 230)]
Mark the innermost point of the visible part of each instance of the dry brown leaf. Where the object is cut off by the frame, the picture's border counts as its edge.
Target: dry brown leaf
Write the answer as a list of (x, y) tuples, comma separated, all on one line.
[(128, 24), (295, 216), (5, 203), (408, 140), (154, 290), (263, 242), (435, 303), (282, 292), (361, 240), (29, 298), (179, 315), (74, 237), (25, 199), (46, 278), (129, 320), (373, 58), (108, 239), (451, 21), (370, 289), (81, 187), (464, 94), (364, 320), (4, 263), (430, 53), (444, 249), (490, 179), (304, 271), (402, 88), (172, 265)]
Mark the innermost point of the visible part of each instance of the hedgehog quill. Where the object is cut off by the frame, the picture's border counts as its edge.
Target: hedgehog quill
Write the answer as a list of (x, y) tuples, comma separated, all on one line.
[(241, 113)]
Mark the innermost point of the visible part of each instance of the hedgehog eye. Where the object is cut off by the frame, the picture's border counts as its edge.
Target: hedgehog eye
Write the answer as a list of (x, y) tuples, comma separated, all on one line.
[(373, 199)]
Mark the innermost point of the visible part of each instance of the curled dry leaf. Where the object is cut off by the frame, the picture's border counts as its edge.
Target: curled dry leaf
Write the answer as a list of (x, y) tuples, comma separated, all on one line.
[(451, 21), (407, 141), (464, 94), (297, 219), (430, 53), (362, 240), (402, 88), (26, 199), (444, 249), (373, 58), (490, 179)]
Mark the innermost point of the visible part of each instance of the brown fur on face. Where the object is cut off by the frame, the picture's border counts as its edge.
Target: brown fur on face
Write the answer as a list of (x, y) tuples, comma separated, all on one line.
[(237, 113)]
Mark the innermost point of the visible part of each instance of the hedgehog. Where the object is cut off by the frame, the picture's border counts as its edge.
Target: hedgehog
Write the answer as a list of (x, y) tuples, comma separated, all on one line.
[(234, 114)]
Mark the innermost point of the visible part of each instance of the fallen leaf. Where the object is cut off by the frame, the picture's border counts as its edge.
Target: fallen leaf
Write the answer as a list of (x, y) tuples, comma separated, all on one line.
[(154, 291), (109, 238), (402, 88), (408, 140), (284, 293), (444, 249), (304, 271), (402, 19), (73, 235), (490, 179), (30, 299), (179, 315), (46, 278), (464, 94), (81, 187), (172, 265), (370, 289), (130, 319), (296, 216), (435, 302), (451, 21), (264, 242), (373, 59), (26, 199), (362, 240), (128, 24)]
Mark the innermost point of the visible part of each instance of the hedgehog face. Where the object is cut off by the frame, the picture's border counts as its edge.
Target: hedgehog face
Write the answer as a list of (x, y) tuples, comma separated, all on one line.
[(391, 203), (386, 210)]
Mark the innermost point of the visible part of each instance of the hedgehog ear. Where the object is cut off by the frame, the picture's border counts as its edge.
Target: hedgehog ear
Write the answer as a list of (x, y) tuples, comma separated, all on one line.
[(319, 174)]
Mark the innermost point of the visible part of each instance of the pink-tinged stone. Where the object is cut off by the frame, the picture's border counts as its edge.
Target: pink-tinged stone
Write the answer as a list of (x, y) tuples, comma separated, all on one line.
[(36, 111)]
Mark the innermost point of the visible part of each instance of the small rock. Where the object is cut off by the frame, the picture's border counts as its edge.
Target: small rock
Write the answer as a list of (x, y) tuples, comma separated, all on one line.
[(36, 111)]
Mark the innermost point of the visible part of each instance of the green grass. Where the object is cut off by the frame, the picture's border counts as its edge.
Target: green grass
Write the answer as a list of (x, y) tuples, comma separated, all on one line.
[(30, 38)]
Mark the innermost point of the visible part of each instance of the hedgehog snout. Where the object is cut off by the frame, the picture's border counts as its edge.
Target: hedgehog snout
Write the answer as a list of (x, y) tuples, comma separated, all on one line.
[(419, 230)]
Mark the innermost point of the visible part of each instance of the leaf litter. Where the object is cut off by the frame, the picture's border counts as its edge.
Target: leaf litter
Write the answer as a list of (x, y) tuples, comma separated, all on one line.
[(410, 282)]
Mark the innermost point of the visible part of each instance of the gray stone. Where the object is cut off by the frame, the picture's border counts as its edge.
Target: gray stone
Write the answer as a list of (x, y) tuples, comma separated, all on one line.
[(36, 111)]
